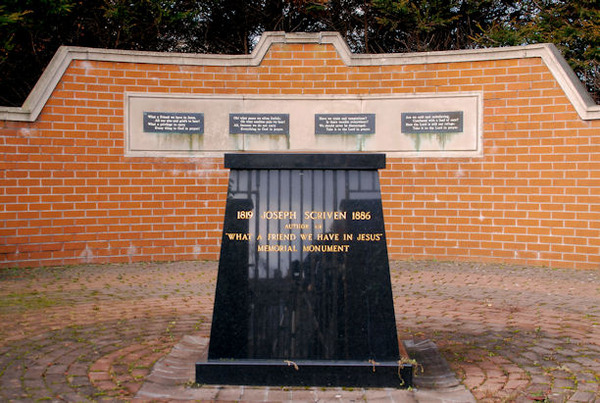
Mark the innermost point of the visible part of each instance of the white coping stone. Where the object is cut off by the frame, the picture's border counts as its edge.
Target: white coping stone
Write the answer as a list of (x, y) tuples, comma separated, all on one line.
[(564, 75)]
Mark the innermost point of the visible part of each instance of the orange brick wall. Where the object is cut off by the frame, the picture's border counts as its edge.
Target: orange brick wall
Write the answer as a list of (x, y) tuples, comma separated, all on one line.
[(70, 195)]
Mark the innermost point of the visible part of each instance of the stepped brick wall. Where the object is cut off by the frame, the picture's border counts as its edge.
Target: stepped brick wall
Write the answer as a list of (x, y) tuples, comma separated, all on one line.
[(71, 194)]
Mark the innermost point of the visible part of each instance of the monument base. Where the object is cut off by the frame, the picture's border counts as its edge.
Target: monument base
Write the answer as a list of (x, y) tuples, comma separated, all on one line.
[(305, 373)]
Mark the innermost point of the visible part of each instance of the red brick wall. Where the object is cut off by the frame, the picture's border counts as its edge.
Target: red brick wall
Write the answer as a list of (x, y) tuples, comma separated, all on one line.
[(70, 195)]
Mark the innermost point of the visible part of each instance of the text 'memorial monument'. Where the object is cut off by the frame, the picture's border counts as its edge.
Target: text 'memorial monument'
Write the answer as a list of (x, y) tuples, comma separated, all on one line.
[(303, 294)]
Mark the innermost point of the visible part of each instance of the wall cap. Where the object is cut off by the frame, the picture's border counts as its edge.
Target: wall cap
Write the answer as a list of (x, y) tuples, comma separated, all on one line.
[(562, 72)]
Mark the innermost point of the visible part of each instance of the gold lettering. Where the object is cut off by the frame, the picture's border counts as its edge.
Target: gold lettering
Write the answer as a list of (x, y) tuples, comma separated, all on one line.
[(278, 215), (361, 215), (245, 215), (369, 237), (325, 248), (324, 215), (296, 226), (276, 248), (328, 237), (281, 237), (236, 236)]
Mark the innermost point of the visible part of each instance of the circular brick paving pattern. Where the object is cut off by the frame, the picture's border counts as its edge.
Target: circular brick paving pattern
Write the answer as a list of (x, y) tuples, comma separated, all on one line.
[(510, 333), (90, 332)]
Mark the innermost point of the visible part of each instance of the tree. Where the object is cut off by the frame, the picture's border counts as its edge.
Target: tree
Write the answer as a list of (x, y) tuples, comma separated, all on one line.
[(32, 30), (28, 39), (410, 25), (573, 26)]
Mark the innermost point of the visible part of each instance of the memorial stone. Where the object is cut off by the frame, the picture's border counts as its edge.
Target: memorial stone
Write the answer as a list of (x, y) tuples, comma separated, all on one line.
[(303, 291)]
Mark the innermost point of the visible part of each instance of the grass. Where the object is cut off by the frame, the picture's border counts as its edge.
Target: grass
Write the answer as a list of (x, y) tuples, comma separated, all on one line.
[(28, 300)]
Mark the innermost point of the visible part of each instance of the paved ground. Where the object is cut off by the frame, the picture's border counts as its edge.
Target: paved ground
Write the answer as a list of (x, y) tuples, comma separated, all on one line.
[(170, 374), (91, 332)]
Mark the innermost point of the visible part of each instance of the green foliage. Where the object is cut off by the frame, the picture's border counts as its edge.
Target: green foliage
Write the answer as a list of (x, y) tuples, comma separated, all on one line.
[(574, 27), (30, 33), (7, 21), (32, 30)]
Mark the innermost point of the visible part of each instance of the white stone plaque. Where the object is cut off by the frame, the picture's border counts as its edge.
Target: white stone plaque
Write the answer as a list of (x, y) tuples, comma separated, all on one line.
[(444, 125)]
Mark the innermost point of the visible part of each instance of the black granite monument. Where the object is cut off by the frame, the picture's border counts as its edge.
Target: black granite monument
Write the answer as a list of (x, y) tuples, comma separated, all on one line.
[(303, 294)]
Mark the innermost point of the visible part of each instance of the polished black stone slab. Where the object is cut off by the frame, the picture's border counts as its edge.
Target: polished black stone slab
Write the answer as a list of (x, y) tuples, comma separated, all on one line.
[(305, 373), (259, 123), (305, 161), (432, 122), (303, 275), (344, 123), (173, 122)]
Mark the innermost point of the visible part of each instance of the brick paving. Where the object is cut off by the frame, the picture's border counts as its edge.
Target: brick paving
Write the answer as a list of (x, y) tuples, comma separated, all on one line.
[(169, 377), (94, 333)]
